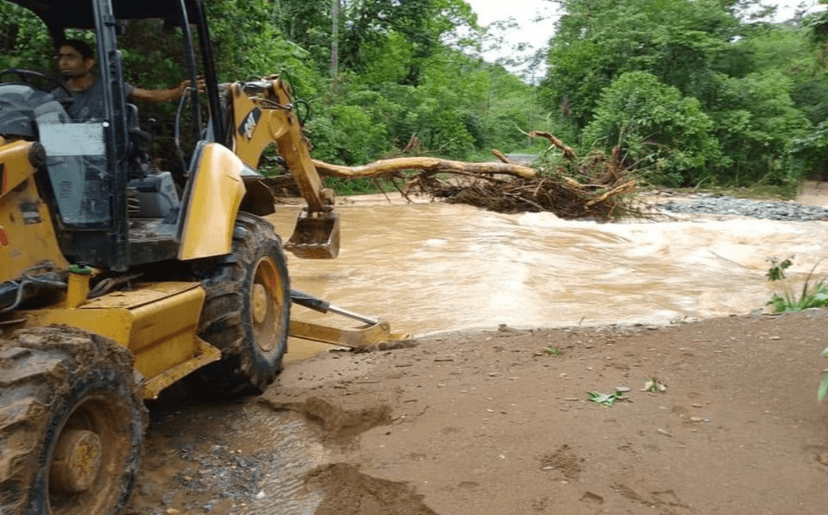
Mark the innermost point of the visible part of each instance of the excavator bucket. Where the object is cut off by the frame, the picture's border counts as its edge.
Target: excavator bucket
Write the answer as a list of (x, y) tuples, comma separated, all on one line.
[(316, 236)]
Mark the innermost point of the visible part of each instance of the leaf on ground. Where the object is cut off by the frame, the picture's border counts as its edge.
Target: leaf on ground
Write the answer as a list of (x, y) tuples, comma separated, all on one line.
[(823, 387), (607, 399)]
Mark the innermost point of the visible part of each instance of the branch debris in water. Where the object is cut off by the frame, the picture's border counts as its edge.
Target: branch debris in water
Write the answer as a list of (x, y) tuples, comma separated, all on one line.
[(588, 187), (604, 190)]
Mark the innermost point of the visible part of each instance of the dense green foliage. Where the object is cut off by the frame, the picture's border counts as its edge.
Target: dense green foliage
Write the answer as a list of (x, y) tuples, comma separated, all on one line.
[(24, 42), (712, 98), (695, 92), (666, 133)]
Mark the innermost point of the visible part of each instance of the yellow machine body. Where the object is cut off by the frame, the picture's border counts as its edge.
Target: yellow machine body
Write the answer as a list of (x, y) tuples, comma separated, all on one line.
[(157, 322), (27, 235), (216, 195)]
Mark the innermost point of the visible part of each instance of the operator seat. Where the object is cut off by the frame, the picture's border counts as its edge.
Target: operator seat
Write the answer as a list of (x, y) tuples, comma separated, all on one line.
[(156, 196), (153, 193)]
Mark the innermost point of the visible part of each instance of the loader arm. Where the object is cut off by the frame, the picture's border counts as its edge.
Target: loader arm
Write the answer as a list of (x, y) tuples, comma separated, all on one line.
[(263, 114)]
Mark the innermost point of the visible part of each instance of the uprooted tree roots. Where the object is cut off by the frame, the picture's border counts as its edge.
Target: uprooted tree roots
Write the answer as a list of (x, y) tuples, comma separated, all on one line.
[(603, 190), (552, 194)]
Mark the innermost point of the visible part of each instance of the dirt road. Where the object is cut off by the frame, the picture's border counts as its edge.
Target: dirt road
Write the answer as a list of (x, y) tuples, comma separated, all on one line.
[(499, 423)]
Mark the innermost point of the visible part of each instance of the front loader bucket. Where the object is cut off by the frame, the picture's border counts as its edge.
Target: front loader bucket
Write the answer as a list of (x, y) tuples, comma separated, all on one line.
[(316, 236), (375, 332)]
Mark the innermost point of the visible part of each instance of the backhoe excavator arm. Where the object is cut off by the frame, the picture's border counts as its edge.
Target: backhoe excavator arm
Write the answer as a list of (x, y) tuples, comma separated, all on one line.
[(263, 114)]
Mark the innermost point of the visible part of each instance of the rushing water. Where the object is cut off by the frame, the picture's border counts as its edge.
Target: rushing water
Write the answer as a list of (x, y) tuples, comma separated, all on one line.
[(437, 267)]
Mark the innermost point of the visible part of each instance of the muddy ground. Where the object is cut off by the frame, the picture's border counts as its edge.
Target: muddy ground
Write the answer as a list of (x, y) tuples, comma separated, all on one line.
[(499, 423)]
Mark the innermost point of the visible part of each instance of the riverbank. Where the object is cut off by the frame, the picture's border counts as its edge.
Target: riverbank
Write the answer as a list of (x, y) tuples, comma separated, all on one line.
[(500, 422)]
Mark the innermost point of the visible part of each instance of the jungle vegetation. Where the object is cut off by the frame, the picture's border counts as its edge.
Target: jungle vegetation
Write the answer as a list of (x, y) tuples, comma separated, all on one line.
[(695, 92)]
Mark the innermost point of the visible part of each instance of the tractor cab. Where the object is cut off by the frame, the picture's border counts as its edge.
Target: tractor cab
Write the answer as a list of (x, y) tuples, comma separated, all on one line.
[(112, 207)]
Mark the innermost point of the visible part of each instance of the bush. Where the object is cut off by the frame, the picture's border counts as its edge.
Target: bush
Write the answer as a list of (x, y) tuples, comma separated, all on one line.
[(811, 150), (24, 40), (664, 134), (756, 128)]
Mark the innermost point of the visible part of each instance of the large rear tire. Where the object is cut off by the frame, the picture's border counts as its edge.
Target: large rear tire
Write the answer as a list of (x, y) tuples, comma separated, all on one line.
[(246, 313), (72, 422)]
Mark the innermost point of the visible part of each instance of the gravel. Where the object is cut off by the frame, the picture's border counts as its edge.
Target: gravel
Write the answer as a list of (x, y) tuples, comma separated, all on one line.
[(770, 210)]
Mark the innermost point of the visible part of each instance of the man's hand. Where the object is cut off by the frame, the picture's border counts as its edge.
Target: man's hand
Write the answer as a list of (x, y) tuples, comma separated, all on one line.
[(184, 86)]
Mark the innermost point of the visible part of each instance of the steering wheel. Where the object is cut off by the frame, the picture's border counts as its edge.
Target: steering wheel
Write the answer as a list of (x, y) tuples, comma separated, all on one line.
[(30, 74)]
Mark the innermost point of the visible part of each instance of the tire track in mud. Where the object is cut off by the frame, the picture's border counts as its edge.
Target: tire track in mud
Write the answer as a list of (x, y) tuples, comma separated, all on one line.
[(350, 492), (261, 456)]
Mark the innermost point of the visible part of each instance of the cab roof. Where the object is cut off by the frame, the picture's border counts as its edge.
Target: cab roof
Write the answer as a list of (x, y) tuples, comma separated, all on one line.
[(62, 14)]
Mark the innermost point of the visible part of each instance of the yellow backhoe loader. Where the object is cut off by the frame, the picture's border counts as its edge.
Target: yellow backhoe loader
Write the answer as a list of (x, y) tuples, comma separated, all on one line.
[(118, 280)]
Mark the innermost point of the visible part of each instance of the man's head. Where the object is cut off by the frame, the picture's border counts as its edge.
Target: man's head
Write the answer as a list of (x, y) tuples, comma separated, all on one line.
[(75, 59)]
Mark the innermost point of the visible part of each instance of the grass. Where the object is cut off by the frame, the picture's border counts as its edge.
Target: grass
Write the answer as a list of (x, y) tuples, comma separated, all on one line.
[(754, 192), (813, 295)]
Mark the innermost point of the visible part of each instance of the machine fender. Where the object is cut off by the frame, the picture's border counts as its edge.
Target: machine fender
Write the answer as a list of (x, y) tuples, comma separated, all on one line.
[(211, 204)]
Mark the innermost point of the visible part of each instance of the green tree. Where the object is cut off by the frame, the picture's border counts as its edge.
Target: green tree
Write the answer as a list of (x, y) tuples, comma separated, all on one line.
[(250, 45), (811, 95), (24, 40), (752, 80), (598, 40), (660, 131), (755, 127), (372, 24)]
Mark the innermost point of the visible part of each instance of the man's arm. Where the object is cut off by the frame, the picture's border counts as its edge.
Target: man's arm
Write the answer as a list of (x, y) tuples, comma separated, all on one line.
[(163, 95)]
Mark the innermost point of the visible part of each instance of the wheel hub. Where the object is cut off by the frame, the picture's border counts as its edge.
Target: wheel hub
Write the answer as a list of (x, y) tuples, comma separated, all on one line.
[(259, 302), (76, 462), (264, 304)]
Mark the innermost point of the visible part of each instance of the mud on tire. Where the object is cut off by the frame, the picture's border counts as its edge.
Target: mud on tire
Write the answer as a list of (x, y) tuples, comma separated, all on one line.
[(71, 423), (246, 313)]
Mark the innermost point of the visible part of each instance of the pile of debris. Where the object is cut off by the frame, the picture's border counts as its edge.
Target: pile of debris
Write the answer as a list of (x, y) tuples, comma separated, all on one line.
[(602, 188), (589, 187)]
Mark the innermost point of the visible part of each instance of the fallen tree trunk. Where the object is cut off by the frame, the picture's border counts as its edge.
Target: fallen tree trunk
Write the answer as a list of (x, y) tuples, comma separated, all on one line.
[(603, 190), (426, 164)]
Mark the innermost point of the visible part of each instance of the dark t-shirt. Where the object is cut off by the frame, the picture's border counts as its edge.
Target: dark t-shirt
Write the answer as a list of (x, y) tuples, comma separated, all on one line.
[(88, 105)]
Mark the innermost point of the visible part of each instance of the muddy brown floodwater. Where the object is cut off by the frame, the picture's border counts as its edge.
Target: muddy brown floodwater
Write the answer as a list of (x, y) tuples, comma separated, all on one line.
[(436, 267), (486, 413)]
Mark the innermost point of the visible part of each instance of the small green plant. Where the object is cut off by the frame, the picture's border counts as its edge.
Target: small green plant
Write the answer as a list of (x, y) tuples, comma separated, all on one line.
[(607, 399), (777, 269), (552, 351), (814, 298), (823, 385), (812, 295)]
